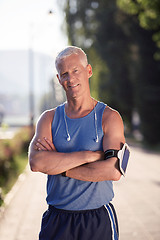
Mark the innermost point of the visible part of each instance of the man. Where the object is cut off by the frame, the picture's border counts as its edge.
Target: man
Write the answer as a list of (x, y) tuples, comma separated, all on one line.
[(69, 146)]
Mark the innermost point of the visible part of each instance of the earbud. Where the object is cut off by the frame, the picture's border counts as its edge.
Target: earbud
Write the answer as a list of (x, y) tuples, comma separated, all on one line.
[(68, 138)]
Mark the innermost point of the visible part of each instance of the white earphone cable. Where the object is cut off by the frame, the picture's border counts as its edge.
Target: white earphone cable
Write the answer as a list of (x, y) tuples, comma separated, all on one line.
[(95, 121)]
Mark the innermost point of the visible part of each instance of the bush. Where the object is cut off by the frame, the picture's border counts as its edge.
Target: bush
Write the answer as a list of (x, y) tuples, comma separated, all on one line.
[(21, 140), (13, 159)]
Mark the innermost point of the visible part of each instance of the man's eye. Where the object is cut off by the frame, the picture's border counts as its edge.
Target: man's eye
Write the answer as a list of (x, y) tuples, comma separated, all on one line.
[(63, 75)]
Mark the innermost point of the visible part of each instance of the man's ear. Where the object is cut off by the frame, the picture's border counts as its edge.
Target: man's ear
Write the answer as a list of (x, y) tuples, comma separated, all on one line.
[(58, 79), (90, 73)]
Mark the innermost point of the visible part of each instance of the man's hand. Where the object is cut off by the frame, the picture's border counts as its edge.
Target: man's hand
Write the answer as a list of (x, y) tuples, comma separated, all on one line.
[(44, 145)]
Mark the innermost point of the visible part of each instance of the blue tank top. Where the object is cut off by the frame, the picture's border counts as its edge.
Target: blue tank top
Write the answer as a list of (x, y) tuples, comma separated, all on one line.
[(68, 193)]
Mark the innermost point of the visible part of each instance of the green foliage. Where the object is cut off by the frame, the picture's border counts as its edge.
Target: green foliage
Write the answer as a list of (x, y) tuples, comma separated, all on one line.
[(147, 12), (100, 75), (20, 142), (13, 159)]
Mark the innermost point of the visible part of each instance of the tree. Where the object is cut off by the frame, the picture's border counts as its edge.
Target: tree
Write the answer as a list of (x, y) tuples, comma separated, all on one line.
[(148, 14), (147, 69)]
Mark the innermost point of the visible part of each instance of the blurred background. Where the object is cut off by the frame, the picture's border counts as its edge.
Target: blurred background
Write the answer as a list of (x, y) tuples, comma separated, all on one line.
[(121, 38), (31, 36), (122, 41)]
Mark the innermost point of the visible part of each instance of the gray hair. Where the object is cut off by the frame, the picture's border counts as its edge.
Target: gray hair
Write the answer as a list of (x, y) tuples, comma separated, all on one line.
[(68, 51)]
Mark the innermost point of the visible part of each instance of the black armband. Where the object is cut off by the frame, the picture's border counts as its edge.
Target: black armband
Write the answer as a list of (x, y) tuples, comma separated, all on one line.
[(110, 153), (122, 155)]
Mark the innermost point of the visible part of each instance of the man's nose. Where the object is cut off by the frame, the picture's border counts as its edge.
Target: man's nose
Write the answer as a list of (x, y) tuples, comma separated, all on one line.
[(70, 77)]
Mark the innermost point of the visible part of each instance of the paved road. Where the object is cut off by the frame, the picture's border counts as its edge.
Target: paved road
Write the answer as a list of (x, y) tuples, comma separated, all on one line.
[(22, 217), (137, 200)]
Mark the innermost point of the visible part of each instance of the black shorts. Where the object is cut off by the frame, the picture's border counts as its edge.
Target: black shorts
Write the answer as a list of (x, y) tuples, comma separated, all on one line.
[(96, 224)]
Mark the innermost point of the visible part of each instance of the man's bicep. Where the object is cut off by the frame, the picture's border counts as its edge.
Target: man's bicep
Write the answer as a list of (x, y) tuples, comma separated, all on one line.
[(114, 132), (43, 129), (113, 139)]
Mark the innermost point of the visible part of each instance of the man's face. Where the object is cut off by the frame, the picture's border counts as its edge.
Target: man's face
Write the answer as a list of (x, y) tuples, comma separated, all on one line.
[(73, 76)]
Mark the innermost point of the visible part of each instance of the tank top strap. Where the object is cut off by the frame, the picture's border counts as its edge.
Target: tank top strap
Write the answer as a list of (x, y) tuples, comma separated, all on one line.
[(100, 107), (58, 113)]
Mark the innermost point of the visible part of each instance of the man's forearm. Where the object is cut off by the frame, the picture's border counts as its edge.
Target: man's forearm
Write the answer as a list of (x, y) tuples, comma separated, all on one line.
[(96, 171), (52, 162)]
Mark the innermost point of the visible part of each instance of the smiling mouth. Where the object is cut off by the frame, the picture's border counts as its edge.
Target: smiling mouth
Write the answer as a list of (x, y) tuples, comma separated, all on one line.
[(73, 86)]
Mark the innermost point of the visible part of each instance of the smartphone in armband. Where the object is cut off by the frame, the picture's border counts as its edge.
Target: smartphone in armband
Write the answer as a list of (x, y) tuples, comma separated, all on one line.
[(122, 155)]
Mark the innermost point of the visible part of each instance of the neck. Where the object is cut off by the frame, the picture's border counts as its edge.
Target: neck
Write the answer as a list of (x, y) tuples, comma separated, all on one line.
[(75, 110), (79, 108)]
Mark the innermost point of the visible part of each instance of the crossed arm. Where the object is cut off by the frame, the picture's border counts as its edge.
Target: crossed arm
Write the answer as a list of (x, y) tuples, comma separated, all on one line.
[(84, 165), (43, 156)]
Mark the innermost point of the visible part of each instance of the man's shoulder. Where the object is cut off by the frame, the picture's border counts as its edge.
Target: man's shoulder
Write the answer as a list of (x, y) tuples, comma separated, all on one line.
[(111, 117), (110, 112), (47, 116), (49, 112)]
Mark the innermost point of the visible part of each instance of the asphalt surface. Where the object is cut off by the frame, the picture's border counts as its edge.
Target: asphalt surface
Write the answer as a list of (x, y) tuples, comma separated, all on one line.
[(137, 202)]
